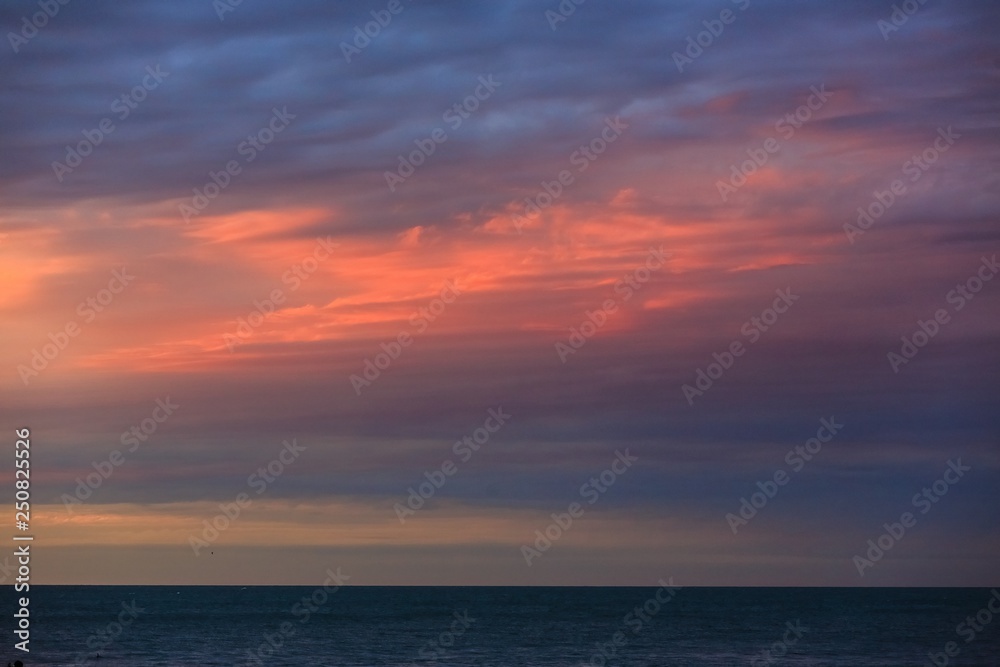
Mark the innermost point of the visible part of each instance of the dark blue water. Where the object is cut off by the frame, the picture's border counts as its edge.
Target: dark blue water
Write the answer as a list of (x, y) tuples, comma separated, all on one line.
[(522, 627)]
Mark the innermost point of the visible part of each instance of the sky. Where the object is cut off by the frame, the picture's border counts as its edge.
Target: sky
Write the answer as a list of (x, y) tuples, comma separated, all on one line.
[(507, 293)]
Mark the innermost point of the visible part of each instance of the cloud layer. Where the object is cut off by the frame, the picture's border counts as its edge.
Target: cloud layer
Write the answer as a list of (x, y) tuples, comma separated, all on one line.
[(263, 259)]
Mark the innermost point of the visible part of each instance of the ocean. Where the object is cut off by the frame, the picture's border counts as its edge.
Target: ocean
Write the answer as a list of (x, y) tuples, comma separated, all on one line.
[(356, 626)]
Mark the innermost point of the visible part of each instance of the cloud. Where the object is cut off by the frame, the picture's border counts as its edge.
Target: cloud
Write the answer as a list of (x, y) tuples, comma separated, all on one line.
[(527, 280)]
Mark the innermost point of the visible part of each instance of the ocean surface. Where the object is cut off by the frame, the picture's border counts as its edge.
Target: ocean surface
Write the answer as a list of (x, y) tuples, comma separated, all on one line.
[(138, 626)]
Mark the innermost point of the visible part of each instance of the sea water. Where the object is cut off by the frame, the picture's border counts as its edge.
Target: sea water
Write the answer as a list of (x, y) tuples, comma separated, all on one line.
[(139, 626)]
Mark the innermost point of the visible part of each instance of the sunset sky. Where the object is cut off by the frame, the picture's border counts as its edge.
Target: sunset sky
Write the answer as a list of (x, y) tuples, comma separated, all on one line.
[(575, 248)]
